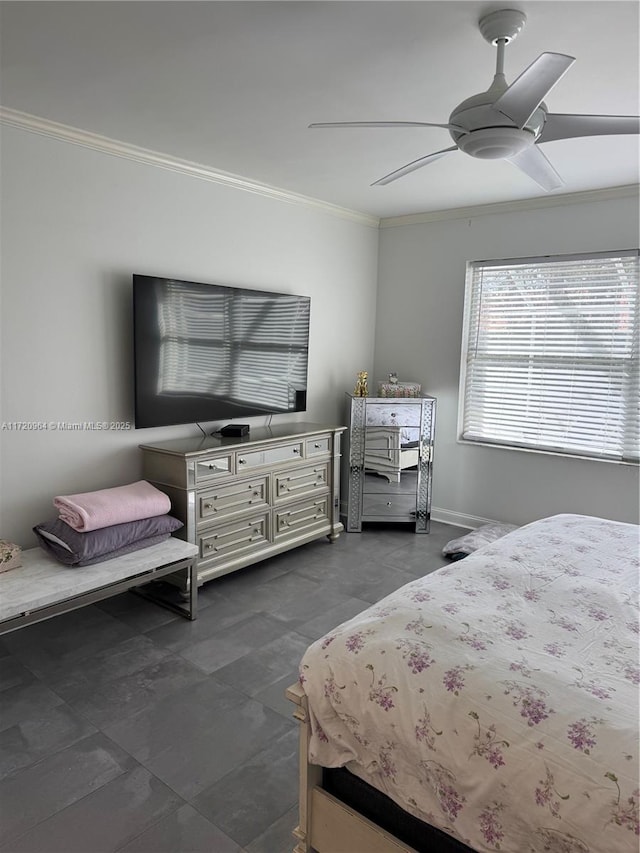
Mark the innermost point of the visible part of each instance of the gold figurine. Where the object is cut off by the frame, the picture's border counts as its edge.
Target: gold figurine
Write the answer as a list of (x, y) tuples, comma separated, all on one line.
[(362, 388)]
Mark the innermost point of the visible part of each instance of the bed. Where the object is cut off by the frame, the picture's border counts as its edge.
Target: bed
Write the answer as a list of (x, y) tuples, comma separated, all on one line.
[(493, 703)]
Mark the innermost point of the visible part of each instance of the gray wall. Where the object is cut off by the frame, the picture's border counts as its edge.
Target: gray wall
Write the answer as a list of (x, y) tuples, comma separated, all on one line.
[(418, 334), (76, 223)]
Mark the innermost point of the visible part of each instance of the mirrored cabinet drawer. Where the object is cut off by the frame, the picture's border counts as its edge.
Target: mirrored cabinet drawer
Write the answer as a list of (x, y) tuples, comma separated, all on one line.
[(318, 446), (215, 467), (258, 458), (390, 414), (387, 506)]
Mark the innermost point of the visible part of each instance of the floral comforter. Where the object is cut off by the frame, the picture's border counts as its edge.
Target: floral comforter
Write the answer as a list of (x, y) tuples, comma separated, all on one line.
[(497, 698)]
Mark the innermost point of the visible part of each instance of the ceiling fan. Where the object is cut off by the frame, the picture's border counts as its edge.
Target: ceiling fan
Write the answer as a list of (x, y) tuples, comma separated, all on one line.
[(510, 121)]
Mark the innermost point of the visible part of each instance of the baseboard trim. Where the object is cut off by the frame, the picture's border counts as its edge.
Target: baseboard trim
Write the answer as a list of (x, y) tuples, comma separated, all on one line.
[(459, 519), (446, 516)]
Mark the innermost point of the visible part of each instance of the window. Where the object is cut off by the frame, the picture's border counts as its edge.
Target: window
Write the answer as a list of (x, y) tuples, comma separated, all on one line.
[(550, 355)]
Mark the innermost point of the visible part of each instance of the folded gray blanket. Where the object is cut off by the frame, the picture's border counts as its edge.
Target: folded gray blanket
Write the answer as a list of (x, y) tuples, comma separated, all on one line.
[(72, 548)]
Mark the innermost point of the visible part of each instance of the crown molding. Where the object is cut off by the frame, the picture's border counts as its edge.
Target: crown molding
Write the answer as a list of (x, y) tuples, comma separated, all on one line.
[(96, 142), (86, 139), (512, 206)]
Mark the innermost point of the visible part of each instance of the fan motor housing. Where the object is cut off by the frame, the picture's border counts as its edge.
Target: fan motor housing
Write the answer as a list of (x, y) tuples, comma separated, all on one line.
[(495, 143), (488, 134)]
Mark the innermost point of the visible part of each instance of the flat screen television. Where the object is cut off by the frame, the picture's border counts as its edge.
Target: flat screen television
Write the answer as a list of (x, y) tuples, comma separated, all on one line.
[(209, 352)]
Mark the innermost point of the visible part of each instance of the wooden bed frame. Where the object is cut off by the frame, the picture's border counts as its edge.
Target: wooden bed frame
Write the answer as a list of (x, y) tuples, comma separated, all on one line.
[(326, 825)]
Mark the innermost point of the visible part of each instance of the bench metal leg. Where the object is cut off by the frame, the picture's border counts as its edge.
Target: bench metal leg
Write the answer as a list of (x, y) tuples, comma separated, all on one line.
[(190, 612)]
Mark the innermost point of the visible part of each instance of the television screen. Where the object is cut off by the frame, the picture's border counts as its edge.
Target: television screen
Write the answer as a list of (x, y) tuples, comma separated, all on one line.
[(208, 352)]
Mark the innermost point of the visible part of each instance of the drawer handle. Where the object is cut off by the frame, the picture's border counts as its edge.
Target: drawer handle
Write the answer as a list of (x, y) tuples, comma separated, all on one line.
[(388, 503), (256, 494), (242, 461), (208, 506), (393, 414), (317, 445), (296, 450)]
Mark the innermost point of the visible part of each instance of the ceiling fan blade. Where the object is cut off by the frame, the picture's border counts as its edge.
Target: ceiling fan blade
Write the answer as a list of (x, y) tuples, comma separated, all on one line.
[(567, 126), (382, 124), (411, 167), (523, 97), (533, 163)]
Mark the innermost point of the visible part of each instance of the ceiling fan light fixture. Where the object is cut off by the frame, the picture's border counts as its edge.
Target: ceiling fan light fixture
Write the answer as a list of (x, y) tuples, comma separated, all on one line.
[(495, 143)]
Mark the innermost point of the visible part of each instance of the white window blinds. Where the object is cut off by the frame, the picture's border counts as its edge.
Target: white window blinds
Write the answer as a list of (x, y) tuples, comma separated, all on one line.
[(550, 355)]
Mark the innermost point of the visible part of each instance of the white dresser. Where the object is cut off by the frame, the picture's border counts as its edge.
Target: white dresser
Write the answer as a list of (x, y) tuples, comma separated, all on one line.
[(247, 498)]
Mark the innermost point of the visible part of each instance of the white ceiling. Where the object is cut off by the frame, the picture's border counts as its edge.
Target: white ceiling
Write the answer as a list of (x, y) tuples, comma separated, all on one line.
[(234, 86)]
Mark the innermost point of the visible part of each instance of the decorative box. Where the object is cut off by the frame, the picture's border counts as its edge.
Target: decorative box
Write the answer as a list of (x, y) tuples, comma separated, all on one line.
[(9, 556), (399, 389)]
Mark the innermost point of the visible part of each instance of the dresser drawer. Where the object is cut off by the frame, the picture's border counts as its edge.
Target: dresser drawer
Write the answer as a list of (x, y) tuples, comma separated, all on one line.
[(230, 498), (270, 456), (389, 505), (317, 446), (295, 520), (213, 468), (388, 414), (298, 482), (232, 539)]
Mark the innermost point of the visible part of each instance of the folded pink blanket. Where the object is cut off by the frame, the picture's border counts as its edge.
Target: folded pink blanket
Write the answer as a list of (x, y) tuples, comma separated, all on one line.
[(93, 510)]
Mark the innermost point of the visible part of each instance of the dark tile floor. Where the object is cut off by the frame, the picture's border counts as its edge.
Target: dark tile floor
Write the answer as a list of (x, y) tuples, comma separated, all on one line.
[(126, 728)]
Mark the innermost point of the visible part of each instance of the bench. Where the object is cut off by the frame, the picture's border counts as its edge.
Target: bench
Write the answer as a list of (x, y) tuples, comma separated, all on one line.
[(42, 587)]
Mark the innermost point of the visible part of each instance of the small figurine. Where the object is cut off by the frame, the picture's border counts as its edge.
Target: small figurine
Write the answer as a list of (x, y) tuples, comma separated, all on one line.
[(361, 389), (393, 378)]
